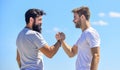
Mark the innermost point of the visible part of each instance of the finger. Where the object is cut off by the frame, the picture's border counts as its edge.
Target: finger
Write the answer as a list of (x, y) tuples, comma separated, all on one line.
[(58, 37), (62, 36)]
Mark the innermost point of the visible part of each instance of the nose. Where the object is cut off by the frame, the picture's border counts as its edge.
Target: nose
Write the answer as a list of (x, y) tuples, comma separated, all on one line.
[(40, 22)]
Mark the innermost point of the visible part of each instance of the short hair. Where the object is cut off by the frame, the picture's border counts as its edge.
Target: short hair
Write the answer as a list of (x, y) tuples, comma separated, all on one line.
[(33, 13), (82, 11)]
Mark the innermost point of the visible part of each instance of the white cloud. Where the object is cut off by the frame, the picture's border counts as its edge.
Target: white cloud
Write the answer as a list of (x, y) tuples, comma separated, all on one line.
[(53, 30), (100, 23), (56, 29), (114, 14), (101, 14)]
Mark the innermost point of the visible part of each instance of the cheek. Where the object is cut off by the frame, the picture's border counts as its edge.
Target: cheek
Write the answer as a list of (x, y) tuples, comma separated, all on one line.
[(38, 23)]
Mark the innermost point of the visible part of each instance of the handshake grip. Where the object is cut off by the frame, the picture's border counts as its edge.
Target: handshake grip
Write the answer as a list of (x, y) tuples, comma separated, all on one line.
[(60, 36)]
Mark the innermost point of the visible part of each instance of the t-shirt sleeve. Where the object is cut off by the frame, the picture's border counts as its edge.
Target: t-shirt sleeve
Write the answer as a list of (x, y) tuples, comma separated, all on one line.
[(76, 44), (93, 39), (38, 40)]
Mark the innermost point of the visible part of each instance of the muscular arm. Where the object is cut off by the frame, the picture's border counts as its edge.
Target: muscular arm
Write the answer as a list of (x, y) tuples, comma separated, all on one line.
[(69, 51), (96, 57), (50, 51), (18, 59)]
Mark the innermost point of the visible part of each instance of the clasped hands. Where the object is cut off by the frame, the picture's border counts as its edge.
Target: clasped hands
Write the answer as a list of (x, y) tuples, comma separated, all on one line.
[(60, 36)]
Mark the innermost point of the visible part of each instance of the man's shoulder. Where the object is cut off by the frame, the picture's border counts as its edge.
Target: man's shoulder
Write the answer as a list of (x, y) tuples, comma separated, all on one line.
[(90, 31), (31, 32)]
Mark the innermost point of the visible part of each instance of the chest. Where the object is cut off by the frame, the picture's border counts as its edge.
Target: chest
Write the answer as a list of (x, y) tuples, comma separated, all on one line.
[(82, 43)]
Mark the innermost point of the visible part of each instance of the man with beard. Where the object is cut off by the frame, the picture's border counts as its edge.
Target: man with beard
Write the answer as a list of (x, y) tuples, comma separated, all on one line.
[(87, 46), (31, 44)]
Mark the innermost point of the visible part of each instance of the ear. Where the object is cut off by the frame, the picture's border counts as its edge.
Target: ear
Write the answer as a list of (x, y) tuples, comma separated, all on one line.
[(83, 17), (31, 20)]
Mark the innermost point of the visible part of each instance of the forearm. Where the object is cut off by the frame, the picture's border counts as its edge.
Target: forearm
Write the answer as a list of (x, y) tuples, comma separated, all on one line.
[(18, 59), (95, 62), (57, 44), (55, 48), (19, 63), (67, 49)]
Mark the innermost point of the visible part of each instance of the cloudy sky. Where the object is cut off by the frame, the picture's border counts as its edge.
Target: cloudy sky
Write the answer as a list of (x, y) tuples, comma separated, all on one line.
[(105, 18)]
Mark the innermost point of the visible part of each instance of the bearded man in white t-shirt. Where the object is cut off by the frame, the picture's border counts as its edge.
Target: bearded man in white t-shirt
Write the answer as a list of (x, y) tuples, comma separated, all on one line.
[(87, 46), (31, 45)]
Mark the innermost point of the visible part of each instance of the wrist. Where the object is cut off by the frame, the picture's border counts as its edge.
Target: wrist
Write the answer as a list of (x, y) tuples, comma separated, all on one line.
[(59, 42), (62, 42)]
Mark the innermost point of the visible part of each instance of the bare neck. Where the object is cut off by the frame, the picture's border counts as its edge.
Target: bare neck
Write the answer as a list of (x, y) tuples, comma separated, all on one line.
[(29, 26), (86, 26)]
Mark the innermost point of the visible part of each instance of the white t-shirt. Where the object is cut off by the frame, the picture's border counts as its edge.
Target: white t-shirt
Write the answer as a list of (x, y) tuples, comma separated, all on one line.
[(89, 39), (28, 44)]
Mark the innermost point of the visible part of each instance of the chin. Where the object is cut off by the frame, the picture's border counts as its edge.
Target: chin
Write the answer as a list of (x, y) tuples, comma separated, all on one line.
[(77, 26)]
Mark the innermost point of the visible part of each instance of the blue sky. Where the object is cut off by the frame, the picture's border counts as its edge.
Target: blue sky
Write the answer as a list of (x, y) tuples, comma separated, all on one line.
[(105, 18)]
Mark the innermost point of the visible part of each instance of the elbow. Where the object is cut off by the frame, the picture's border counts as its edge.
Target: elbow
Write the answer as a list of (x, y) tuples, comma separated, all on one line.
[(97, 56), (50, 55), (70, 56)]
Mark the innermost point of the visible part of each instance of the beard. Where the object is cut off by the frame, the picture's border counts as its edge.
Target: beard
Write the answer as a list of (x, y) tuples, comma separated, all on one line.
[(78, 25), (37, 27)]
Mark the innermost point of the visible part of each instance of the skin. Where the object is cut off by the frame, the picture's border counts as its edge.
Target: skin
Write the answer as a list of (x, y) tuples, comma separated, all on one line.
[(18, 59), (83, 24), (46, 49)]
